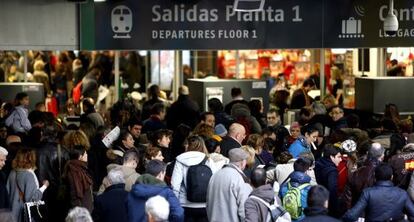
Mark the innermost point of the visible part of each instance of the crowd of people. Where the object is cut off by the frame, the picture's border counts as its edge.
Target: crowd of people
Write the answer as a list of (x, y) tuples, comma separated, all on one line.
[(169, 161)]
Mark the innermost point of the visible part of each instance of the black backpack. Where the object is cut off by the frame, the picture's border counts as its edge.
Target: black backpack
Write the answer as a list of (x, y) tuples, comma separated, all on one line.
[(198, 177)]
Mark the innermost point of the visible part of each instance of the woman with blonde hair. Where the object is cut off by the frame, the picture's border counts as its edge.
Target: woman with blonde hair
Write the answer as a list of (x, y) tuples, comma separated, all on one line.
[(252, 162), (22, 184), (195, 154)]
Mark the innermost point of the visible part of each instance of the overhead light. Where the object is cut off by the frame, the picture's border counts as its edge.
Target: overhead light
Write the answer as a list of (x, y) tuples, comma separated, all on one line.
[(99, 0), (248, 5)]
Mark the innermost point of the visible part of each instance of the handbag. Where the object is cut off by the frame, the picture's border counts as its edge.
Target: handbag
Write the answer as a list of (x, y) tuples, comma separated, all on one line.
[(33, 211)]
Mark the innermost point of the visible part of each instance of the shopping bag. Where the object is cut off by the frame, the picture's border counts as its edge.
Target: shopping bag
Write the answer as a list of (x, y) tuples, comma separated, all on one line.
[(35, 211)]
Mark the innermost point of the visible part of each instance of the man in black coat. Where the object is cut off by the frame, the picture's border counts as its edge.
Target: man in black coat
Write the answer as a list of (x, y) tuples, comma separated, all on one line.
[(4, 196), (110, 206), (326, 174), (300, 97), (383, 201), (317, 210), (236, 94), (184, 110), (234, 139)]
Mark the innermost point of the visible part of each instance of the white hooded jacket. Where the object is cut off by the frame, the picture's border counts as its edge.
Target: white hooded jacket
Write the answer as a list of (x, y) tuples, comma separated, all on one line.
[(179, 176)]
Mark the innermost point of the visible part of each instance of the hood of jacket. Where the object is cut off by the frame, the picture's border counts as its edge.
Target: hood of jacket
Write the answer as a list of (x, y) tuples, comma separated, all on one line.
[(240, 110), (191, 158), (299, 177), (217, 157), (147, 186), (149, 180), (265, 192)]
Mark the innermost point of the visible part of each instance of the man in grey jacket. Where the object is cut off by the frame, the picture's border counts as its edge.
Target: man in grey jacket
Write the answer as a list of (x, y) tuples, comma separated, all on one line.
[(255, 210), (228, 190)]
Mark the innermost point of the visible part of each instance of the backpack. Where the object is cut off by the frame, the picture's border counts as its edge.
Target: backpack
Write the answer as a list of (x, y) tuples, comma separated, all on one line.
[(292, 200), (276, 213), (198, 177)]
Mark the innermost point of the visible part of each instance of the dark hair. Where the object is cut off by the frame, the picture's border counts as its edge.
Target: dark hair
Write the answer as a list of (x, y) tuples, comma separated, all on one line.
[(389, 125), (255, 106), (20, 96), (76, 152), (352, 120), (305, 111), (134, 121), (273, 110), (88, 105), (122, 136), (383, 172), (157, 108), (204, 115), (153, 91), (268, 130), (302, 165), (215, 105), (269, 144), (235, 91), (153, 137), (308, 129), (258, 177), (211, 144), (155, 167), (130, 155), (309, 82), (36, 116), (284, 157), (317, 196), (330, 150)]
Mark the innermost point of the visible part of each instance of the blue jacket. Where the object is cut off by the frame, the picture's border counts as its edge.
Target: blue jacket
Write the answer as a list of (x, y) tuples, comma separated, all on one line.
[(296, 179), (141, 192), (109, 206), (299, 146), (382, 202), (326, 175)]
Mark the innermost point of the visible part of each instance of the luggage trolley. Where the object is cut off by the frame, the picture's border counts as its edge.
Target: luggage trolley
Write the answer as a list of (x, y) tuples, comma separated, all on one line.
[(121, 22), (248, 5)]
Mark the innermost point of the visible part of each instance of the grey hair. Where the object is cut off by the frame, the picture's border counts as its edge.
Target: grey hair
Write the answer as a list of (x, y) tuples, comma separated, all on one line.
[(318, 108), (3, 151), (158, 207), (376, 151), (116, 176), (79, 214)]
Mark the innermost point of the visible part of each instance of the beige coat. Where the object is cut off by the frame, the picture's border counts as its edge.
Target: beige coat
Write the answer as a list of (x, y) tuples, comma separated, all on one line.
[(130, 176)]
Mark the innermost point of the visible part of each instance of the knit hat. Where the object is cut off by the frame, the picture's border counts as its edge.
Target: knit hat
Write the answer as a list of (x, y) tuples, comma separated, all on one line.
[(220, 130), (237, 155)]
